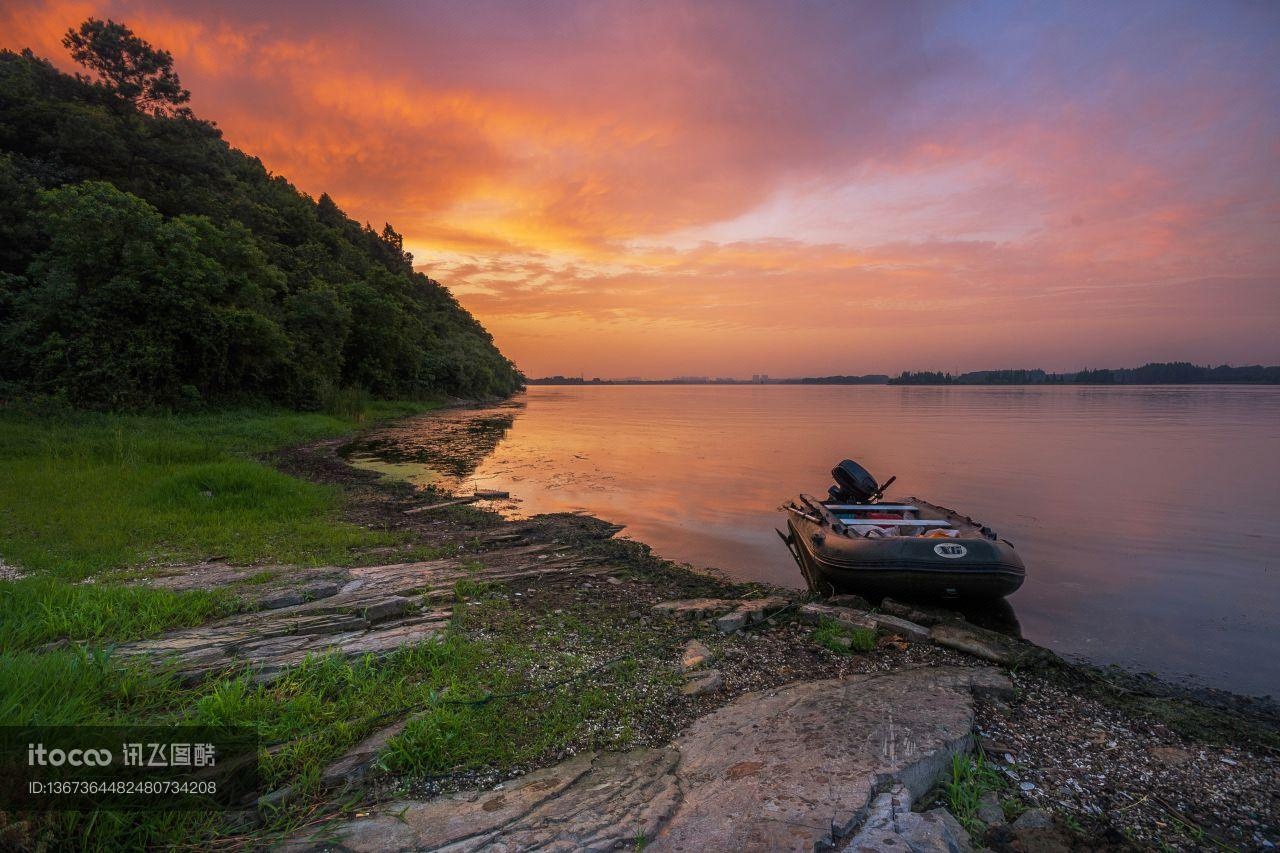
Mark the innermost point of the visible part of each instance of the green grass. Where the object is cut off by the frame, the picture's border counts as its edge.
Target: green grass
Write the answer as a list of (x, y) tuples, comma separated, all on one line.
[(472, 699), (89, 501), (39, 610), (830, 635), (968, 778), (83, 494), (102, 497)]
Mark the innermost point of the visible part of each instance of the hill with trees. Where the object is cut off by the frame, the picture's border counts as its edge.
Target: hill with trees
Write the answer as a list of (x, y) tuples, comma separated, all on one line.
[(145, 262)]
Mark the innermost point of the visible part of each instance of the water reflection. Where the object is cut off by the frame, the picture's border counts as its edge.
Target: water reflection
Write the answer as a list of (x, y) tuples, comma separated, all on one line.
[(1149, 518), (445, 456)]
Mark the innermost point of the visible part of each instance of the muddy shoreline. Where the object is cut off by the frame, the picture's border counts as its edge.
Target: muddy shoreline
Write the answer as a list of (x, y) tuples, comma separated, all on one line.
[(1120, 760)]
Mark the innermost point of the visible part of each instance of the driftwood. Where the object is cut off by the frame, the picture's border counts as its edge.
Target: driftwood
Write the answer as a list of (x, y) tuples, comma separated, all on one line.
[(441, 505)]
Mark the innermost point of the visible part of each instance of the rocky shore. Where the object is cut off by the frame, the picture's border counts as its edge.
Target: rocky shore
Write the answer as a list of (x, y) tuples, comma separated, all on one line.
[(755, 718)]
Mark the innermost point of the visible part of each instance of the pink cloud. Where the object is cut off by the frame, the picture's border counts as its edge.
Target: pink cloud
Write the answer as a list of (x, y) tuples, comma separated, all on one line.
[(834, 189)]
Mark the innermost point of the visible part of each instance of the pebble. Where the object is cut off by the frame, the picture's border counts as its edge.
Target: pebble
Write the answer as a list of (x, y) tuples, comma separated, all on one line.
[(1033, 819), (991, 815)]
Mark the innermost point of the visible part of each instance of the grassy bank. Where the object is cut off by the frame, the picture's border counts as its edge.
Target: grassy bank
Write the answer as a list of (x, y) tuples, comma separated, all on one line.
[(89, 503), (91, 497), (84, 494), (469, 696)]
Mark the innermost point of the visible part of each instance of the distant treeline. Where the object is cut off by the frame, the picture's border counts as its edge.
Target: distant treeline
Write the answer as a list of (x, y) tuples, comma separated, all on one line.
[(1166, 373), (145, 262), (868, 379), (1155, 373)]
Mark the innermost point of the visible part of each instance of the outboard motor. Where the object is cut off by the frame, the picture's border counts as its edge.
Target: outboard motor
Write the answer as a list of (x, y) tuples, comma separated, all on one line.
[(855, 485)]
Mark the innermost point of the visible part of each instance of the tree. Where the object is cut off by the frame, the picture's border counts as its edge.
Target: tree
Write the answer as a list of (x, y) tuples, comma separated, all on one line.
[(395, 240), (129, 67), (148, 263)]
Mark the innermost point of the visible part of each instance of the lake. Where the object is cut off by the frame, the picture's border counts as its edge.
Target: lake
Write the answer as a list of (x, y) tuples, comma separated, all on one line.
[(1148, 517)]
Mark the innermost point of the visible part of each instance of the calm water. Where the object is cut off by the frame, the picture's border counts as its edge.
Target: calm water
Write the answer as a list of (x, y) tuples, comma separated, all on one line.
[(1148, 517)]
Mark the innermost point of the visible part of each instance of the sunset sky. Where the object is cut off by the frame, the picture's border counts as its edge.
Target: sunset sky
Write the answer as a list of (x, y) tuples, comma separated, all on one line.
[(659, 188)]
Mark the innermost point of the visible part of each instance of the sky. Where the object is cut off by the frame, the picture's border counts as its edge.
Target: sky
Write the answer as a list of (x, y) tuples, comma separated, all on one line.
[(728, 188)]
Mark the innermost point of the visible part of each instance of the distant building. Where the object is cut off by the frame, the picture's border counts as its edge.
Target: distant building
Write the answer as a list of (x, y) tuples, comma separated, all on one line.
[(759, 378)]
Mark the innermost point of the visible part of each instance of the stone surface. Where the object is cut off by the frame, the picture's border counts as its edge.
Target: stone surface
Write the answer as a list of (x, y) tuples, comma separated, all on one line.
[(287, 598), (697, 608), (774, 770), (759, 609), (844, 617), (991, 814), (298, 595), (891, 827), (1170, 755), (709, 681), (855, 602), (1048, 840), (695, 655), (363, 610), (350, 769), (593, 801), (730, 614), (730, 622), (386, 608), (894, 625), (1033, 819)]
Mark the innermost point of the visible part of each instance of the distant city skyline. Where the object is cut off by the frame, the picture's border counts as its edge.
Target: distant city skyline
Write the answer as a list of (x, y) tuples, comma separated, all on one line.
[(729, 188)]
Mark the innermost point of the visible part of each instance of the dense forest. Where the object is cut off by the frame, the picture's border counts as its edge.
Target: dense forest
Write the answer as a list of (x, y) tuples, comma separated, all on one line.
[(145, 262)]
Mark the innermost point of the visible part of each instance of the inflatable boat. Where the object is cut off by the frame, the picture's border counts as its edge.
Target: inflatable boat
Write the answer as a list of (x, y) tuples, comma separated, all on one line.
[(851, 542)]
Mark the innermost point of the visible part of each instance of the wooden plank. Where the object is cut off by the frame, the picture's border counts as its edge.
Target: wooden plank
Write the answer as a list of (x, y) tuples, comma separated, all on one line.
[(871, 508)]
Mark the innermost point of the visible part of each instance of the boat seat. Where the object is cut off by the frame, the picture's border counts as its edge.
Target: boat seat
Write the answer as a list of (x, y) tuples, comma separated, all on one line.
[(895, 522), (872, 508)]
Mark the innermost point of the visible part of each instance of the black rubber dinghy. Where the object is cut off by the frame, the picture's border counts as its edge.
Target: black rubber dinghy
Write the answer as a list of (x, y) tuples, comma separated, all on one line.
[(908, 549)]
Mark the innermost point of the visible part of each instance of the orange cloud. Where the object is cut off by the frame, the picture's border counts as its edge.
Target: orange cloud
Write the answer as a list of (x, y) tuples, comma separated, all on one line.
[(761, 189)]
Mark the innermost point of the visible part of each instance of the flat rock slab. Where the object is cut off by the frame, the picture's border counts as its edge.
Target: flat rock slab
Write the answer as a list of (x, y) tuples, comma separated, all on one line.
[(774, 770), (730, 613), (365, 610), (591, 802), (891, 827), (697, 608)]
